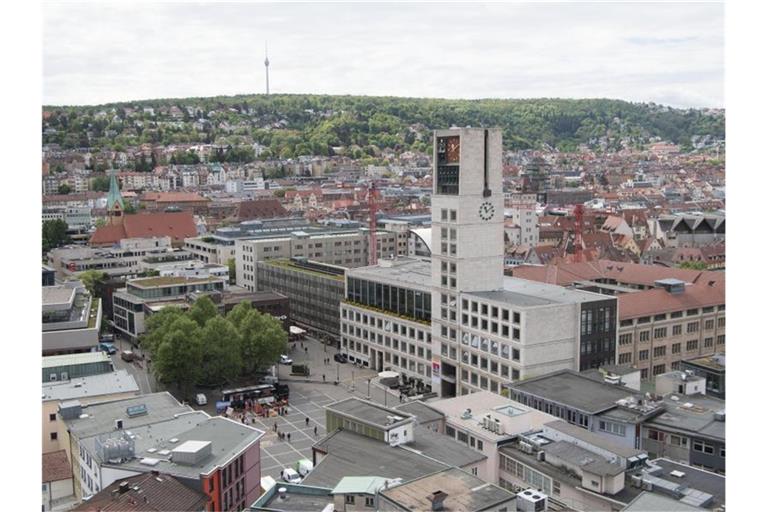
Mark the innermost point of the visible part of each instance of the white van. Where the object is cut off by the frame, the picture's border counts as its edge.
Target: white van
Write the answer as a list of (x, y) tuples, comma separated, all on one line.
[(304, 466), (290, 476), (201, 399)]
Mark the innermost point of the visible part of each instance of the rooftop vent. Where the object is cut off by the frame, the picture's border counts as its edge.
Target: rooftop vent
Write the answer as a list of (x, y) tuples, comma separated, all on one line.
[(467, 414), (124, 487), (677, 474), (191, 453), (437, 499)]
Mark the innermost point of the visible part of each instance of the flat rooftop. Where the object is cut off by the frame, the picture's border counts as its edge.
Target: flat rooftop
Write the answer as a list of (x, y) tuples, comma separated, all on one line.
[(351, 454), (694, 478), (465, 492), (523, 293), (585, 459), (714, 362), (594, 439), (75, 359), (652, 502), (58, 298), (369, 412), (227, 438), (406, 272), (151, 282), (100, 418), (94, 385), (692, 413), (423, 412), (568, 388), (300, 498)]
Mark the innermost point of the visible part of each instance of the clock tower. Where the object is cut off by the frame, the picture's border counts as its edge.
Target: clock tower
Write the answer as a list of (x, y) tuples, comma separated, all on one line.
[(467, 235)]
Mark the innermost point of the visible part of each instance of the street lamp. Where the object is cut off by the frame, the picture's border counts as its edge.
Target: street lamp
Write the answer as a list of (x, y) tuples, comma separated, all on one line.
[(369, 389), (337, 372)]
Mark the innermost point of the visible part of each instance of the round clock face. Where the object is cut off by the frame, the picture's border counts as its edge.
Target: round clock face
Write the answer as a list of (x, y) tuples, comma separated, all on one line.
[(486, 211)]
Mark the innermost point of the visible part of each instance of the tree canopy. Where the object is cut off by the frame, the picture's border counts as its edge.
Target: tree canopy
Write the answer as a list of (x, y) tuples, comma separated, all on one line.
[(54, 234), (201, 347)]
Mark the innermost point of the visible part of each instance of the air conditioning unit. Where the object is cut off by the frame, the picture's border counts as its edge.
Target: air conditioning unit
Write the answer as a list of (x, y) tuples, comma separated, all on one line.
[(637, 481), (525, 447), (541, 456)]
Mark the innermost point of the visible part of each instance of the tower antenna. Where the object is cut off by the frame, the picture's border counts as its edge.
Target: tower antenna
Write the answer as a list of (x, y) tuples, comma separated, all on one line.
[(266, 64)]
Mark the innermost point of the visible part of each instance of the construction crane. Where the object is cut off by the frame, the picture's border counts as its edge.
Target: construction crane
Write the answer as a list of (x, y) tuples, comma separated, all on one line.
[(373, 252), (578, 229)]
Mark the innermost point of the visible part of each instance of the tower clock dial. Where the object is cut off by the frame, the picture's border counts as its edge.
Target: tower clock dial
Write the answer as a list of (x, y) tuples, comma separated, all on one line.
[(486, 211), (452, 150)]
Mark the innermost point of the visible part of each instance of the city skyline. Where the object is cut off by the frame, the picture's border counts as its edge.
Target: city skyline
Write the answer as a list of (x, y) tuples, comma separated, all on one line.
[(667, 54)]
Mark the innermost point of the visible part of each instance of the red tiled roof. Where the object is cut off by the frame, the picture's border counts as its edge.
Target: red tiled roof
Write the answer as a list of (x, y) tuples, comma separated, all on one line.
[(173, 197), (156, 492), (260, 209), (658, 300), (623, 272), (177, 225), (56, 466)]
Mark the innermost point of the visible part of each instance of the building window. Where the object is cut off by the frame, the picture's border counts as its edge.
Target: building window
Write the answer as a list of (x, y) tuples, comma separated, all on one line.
[(692, 345), (659, 369), (613, 428), (52, 417), (721, 339), (474, 471), (644, 373), (642, 355), (349, 499), (369, 501), (709, 342), (625, 358), (677, 330), (702, 447), (625, 339), (54, 436), (692, 327), (659, 351), (645, 335), (660, 332), (676, 348)]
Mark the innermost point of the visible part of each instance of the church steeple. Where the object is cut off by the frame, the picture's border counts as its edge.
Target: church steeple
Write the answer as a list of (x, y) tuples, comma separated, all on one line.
[(115, 205)]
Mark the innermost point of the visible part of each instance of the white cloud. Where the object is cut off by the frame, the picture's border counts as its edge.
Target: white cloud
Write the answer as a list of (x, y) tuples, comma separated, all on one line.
[(666, 53)]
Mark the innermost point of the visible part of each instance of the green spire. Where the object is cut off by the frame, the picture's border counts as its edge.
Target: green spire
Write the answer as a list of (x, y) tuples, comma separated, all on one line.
[(114, 196)]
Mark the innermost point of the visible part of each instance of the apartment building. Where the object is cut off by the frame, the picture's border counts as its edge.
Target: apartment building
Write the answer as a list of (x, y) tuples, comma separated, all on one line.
[(522, 225), (130, 305), (314, 289), (71, 319), (114, 440)]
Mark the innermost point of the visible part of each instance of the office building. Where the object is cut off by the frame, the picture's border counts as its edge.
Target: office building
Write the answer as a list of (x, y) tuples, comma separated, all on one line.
[(215, 456), (142, 296), (314, 289), (71, 319), (712, 368)]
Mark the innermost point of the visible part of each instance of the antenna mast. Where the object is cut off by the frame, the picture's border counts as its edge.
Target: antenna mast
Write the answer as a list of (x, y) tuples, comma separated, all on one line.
[(266, 64)]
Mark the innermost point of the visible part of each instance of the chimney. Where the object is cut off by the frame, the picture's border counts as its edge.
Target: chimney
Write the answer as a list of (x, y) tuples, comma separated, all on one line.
[(124, 487), (437, 499)]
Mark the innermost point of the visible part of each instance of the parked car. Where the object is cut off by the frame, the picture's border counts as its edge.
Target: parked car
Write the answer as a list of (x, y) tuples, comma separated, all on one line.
[(340, 358), (127, 355), (109, 348), (304, 467), (284, 359), (200, 399), (291, 476)]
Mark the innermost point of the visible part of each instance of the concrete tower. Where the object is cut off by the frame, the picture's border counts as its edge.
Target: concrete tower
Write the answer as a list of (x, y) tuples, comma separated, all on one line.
[(266, 65), (467, 235)]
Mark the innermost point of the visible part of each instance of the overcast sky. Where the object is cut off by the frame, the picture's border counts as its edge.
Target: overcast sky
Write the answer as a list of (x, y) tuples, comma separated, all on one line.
[(666, 53)]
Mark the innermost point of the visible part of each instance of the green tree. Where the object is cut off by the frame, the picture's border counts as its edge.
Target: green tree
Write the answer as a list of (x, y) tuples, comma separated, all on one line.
[(54, 234), (64, 189), (263, 340), (94, 281), (100, 184), (221, 353), (129, 209), (203, 310), (179, 356), (238, 314), (157, 328)]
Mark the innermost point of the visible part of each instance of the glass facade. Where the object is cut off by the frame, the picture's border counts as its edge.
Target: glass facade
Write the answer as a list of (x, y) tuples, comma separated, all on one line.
[(411, 303)]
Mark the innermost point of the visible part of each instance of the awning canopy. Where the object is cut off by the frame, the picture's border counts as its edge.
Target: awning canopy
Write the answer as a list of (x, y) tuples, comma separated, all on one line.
[(296, 330)]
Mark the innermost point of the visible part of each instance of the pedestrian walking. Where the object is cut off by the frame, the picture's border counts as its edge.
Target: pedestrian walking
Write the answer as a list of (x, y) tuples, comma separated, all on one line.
[(275, 426), (315, 430), (306, 421), (289, 437), (323, 377)]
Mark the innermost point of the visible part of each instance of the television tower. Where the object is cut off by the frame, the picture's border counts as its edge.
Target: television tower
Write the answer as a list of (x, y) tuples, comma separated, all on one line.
[(266, 65)]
